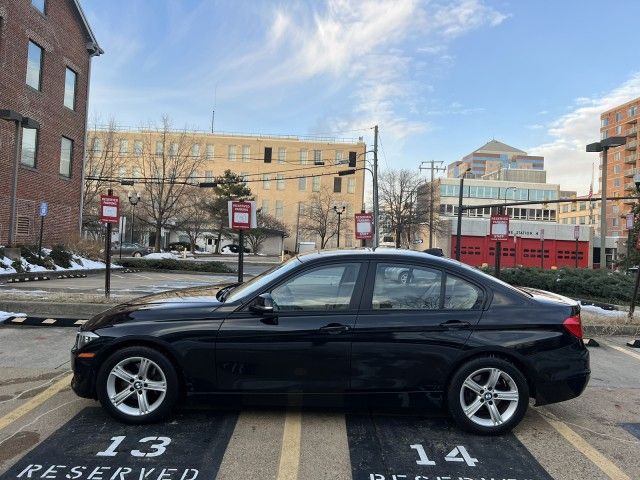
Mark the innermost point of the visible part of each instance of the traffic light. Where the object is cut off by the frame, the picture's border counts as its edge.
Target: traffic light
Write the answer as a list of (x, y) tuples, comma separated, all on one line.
[(352, 159), (267, 154)]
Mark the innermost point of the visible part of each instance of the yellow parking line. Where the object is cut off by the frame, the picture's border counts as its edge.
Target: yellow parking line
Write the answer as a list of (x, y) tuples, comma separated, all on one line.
[(623, 350), (290, 450), (35, 402), (600, 461)]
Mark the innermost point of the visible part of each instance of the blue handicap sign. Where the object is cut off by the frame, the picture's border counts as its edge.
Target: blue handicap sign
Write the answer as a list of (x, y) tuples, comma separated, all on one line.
[(44, 209)]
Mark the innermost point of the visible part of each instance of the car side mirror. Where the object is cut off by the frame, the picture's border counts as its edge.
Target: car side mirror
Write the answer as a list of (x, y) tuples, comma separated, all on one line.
[(264, 305)]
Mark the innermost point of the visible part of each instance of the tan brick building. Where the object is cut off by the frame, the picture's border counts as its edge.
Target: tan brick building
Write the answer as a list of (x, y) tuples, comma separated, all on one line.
[(46, 48), (299, 168), (622, 162)]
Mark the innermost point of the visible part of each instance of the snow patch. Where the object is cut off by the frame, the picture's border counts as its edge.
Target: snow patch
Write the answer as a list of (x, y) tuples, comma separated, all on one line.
[(602, 312), (7, 315), (160, 256)]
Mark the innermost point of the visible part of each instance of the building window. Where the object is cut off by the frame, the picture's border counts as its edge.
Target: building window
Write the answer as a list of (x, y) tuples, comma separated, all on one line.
[(246, 153), (279, 209), (351, 185), (618, 129), (633, 111), (34, 65), (337, 184), (70, 79), (265, 207), (616, 182), (173, 149), (209, 152), (604, 122), (282, 154), (317, 157), (96, 146), (29, 146), (159, 148), (195, 150), (617, 156), (266, 181), (338, 157), (137, 148), (39, 5), (302, 184), (66, 152), (618, 116), (315, 184), (124, 147), (231, 153), (304, 157), (122, 172), (135, 172), (280, 182), (208, 176)]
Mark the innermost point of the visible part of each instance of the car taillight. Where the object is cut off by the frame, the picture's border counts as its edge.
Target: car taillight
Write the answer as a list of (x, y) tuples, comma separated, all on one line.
[(573, 324)]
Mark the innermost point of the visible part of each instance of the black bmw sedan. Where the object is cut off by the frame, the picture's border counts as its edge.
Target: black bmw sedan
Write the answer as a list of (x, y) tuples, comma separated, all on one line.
[(348, 322)]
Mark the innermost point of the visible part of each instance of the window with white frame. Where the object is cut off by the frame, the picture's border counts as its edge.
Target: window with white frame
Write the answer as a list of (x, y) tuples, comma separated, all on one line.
[(351, 185), (266, 181), (195, 150), (280, 182), (279, 209), (246, 153), (231, 153), (339, 157), (282, 154), (208, 175), (124, 147), (315, 184), (137, 148), (265, 207), (317, 157), (173, 149), (96, 146), (304, 157), (159, 147), (209, 152), (302, 184)]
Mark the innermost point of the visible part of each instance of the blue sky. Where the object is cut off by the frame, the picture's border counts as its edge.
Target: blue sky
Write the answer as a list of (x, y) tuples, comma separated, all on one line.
[(440, 78)]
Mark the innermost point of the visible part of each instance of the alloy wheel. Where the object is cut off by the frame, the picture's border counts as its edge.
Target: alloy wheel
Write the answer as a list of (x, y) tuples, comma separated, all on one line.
[(489, 397), (136, 386)]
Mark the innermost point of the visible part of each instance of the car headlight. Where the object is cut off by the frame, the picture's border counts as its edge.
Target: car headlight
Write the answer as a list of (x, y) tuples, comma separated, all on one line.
[(83, 338)]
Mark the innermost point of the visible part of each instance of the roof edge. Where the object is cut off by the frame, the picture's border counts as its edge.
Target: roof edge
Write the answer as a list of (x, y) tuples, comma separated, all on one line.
[(92, 46)]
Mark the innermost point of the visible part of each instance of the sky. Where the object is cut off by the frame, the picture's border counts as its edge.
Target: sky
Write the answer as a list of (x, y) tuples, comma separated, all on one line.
[(439, 78)]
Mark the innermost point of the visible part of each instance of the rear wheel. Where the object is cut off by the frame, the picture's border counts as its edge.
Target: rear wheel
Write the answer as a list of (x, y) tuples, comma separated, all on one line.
[(138, 385), (488, 396)]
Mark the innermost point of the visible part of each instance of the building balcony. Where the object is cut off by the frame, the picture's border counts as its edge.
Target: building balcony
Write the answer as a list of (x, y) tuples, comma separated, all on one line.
[(632, 132), (631, 158), (630, 172), (632, 145), (632, 118), (630, 186)]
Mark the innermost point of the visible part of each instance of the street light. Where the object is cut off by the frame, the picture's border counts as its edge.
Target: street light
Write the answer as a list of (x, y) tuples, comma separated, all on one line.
[(134, 198), (339, 212), (603, 146), (459, 230), (19, 121)]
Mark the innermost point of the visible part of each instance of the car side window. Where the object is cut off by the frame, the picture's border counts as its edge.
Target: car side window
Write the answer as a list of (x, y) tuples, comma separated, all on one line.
[(406, 287), (461, 295), (326, 288)]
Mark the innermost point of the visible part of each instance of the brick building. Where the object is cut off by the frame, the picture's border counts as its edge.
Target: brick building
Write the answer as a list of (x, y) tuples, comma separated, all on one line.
[(46, 48)]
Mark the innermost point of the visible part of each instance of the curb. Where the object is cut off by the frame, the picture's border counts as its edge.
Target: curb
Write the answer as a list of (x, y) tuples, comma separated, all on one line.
[(45, 322), (54, 310), (58, 274)]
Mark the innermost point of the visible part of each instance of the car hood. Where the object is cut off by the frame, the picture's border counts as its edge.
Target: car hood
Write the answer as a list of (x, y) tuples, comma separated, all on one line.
[(183, 302)]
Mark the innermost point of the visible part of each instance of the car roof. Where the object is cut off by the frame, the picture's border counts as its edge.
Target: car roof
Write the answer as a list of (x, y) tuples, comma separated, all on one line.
[(377, 253)]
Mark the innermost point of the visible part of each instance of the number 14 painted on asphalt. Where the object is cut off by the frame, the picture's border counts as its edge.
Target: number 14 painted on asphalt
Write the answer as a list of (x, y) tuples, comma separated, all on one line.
[(458, 454)]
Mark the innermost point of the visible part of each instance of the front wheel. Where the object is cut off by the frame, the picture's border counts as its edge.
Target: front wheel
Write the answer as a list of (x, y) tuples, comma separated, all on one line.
[(488, 396), (138, 385)]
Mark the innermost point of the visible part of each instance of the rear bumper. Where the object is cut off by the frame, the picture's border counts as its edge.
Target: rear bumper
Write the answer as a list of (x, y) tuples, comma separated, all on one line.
[(561, 390)]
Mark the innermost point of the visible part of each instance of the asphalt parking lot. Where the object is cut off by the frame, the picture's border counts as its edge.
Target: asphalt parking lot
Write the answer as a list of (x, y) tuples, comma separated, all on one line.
[(46, 432)]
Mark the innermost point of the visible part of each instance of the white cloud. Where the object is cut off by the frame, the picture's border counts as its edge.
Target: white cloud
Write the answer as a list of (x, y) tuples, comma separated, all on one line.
[(565, 157)]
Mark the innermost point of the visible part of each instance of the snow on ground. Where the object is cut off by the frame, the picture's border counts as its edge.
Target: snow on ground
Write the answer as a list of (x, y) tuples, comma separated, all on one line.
[(602, 312), (159, 256), (77, 263), (7, 315)]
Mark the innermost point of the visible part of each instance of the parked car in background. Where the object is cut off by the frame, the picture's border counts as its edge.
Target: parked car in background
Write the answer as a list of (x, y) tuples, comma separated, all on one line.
[(130, 249), (330, 324), (234, 248), (434, 251)]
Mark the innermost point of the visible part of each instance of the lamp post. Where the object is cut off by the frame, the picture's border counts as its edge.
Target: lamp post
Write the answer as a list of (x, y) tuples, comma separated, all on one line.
[(604, 146), (632, 306), (459, 230), (134, 198), (20, 121), (339, 212)]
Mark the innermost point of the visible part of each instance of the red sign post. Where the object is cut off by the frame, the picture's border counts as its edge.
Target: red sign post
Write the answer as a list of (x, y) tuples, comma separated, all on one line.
[(242, 216), (364, 226), (109, 209), (499, 228)]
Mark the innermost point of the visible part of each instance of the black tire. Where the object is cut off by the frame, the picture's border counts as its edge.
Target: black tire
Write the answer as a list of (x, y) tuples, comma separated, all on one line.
[(454, 401), (164, 408)]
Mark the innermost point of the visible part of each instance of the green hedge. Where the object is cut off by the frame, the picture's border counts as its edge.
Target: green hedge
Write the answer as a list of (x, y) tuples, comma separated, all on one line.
[(170, 264), (607, 286)]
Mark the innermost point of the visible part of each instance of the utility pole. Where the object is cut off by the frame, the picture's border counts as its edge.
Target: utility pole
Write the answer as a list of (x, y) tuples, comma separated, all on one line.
[(433, 169), (376, 204)]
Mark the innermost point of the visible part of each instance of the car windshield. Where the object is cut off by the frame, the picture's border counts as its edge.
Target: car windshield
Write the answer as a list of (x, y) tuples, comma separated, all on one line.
[(256, 283)]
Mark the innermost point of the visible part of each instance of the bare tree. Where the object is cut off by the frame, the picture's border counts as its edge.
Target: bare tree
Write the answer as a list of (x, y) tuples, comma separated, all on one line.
[(166, 164), (267, 225), (103, 163), (193, 220), (318, 218), (404, 204)]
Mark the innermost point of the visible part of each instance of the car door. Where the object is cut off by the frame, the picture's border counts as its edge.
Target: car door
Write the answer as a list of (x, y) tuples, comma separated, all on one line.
[(305, 345), (414, 321)]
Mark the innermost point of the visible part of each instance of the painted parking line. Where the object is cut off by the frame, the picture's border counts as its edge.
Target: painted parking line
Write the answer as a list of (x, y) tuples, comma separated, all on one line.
[(394, 448), (35, 402), (624, 350), (290, 450), (598, 459), (94, 446)]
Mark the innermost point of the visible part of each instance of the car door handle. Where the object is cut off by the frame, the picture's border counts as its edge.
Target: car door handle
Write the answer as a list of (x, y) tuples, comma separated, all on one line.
[(334, 328), (455, 324)]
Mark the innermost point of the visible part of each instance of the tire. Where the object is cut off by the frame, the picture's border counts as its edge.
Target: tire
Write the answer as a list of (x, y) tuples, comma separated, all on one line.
[(137, 254), (470, 388), (160, 373)]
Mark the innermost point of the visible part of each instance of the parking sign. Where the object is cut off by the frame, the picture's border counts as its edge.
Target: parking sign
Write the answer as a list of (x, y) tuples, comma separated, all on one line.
[(242, 215), (109, 208), (44, 209)]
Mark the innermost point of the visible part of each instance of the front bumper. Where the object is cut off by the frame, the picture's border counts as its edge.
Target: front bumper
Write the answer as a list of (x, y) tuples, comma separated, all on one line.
[(83, 382)]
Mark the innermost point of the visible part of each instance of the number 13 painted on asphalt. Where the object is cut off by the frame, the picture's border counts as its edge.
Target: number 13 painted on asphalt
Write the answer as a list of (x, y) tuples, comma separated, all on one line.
[(158, 448), (458, 454)]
